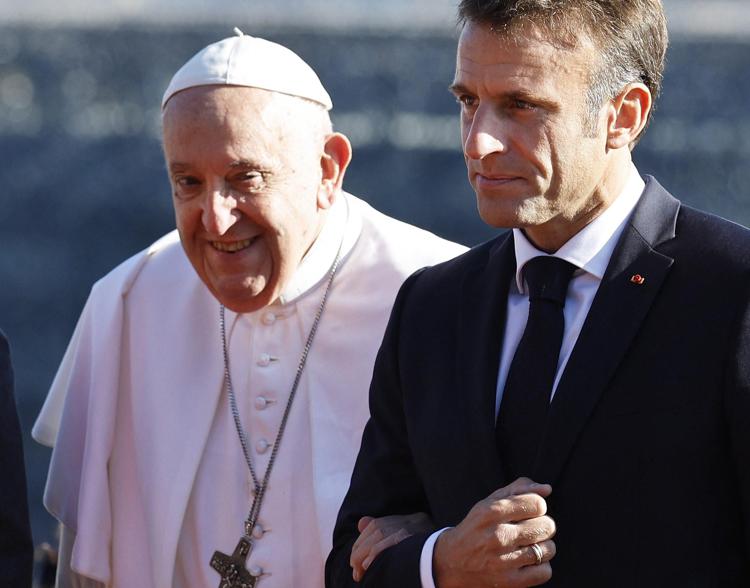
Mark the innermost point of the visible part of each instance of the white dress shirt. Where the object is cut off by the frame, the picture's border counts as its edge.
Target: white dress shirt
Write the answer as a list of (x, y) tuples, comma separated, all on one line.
[(590, 251)]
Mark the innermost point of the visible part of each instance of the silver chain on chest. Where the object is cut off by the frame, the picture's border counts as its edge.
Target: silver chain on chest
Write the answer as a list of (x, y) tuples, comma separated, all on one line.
[(260, 487)]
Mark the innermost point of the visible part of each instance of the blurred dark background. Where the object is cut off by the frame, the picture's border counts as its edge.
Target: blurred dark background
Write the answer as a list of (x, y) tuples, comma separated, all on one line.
[(83, 185)]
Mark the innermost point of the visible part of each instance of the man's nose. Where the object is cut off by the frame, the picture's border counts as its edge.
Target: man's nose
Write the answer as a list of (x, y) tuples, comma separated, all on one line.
[(219, 211), (484, 135)]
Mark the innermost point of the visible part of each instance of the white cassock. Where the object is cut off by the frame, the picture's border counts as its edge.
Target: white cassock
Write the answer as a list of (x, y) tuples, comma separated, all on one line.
[(147, 469)]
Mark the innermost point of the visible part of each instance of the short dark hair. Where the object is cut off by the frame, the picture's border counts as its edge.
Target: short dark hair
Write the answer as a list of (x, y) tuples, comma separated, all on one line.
[(631, 34)]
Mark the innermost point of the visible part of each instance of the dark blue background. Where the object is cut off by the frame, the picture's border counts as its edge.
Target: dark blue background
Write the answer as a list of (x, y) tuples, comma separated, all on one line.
[(83, 185)]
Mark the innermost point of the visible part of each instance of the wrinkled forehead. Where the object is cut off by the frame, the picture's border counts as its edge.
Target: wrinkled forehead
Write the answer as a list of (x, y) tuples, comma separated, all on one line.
[(236, 99), (207, 122), (230, 100), (254, 106)]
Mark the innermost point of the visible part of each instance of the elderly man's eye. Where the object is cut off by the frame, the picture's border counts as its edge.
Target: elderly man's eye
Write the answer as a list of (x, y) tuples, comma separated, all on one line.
[(249, 180), (185, 187), (523, 105)]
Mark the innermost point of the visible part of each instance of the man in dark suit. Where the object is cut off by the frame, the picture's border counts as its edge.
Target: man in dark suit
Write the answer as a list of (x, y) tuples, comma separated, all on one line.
[(569, 402), (16, 553)]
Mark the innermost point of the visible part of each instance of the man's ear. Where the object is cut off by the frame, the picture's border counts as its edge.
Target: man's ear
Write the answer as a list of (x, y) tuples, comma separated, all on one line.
[(337, 153), (628, 115)]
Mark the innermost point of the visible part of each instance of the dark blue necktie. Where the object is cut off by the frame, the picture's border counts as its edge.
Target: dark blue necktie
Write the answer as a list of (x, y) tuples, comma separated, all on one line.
[(526, 398)]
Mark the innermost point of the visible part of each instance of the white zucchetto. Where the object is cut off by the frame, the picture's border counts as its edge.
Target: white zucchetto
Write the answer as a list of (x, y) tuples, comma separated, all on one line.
[(250, 61)]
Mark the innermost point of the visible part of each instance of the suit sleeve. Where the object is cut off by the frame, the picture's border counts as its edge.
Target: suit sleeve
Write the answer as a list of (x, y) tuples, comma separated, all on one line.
[(385, 480), (737, 407), (16, 552)]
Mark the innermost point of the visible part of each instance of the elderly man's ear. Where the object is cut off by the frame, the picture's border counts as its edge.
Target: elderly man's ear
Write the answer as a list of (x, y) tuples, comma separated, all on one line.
[(627, 116), (337, 153)]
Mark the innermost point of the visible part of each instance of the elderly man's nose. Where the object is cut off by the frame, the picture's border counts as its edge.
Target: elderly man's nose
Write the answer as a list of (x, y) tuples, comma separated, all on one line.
[(219, 212)]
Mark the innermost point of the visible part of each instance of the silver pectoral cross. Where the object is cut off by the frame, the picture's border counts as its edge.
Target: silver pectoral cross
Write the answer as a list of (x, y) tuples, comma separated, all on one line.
[(232, 568)]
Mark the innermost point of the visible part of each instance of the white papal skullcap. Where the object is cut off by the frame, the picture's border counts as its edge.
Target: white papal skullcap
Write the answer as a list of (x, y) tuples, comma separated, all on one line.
[(249, 61)]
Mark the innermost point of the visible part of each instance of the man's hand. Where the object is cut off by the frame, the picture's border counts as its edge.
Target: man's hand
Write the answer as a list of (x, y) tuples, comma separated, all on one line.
[(379, 534), (492, 546)]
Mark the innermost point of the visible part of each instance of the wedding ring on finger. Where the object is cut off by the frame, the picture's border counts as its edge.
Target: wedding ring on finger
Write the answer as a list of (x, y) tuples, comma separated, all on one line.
[(538, 553)]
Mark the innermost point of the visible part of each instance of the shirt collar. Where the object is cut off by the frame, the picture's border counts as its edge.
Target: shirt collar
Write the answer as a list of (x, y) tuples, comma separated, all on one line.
[(336, 232), (591, 248)]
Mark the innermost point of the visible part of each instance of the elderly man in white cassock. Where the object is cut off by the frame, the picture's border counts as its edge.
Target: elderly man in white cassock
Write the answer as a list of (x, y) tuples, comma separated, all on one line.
[(208, 411)]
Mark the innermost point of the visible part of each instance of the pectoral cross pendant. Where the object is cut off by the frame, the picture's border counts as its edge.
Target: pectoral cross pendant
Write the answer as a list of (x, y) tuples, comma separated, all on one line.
[(232, 568)]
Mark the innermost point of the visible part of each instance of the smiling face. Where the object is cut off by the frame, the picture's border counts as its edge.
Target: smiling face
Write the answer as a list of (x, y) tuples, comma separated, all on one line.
[(249, 190), (532, 159)]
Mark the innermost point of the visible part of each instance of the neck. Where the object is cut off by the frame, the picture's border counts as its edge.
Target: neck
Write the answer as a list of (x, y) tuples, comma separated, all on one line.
[(553, 234)]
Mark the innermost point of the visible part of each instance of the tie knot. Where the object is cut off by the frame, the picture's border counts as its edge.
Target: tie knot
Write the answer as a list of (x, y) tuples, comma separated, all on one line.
[(548, 278)]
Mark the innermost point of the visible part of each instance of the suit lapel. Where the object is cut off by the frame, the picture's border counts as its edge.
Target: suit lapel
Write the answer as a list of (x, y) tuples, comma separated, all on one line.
[(613, 321), (484, 292)]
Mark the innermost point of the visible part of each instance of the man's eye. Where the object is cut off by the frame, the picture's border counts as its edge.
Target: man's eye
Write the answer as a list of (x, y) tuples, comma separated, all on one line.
[(466, 100), (250, 180), (523, 105), (186, 181)]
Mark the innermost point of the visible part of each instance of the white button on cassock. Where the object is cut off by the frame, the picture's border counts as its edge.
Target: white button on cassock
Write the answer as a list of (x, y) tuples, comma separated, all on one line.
[(256, 571), (269, 318), (258, 531), (264, 360), (262, 445), (261, 402)]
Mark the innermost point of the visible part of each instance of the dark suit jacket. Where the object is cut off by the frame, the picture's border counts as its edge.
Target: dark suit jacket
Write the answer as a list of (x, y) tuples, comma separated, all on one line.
[(647, 445), (16, 554)]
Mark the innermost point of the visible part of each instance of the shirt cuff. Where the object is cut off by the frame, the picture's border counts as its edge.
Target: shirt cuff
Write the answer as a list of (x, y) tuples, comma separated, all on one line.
[(425, 560)]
